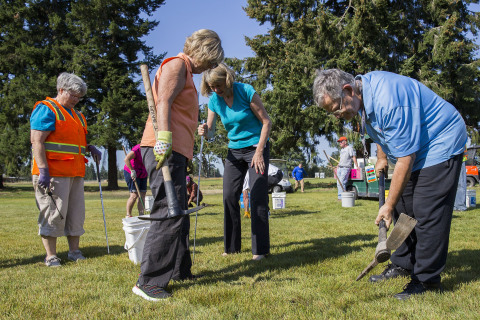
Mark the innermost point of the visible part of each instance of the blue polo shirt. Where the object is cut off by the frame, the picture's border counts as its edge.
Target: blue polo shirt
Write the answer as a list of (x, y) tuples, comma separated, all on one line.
[(404, 116), (242, 125)]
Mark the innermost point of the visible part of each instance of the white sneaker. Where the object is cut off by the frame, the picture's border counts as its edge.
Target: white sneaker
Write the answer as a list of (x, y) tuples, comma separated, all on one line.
[(75, 255), (53, 261)]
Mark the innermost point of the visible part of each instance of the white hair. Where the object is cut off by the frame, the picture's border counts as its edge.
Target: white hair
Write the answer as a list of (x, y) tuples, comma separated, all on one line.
[(71, 83), (330, 82)]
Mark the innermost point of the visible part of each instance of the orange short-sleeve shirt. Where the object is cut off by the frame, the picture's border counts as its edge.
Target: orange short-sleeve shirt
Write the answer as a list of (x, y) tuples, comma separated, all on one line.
[(183, 113)]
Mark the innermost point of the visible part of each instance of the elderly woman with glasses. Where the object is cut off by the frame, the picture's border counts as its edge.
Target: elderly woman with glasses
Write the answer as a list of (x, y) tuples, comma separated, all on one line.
[(248, 125), (166, 253), (58, 136)]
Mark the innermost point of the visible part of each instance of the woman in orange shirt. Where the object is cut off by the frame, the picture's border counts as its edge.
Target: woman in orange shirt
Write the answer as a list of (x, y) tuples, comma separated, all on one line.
[(166, 254)]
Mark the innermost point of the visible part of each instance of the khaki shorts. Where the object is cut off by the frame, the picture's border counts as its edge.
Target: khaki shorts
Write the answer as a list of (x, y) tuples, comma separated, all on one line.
[(65, 214)]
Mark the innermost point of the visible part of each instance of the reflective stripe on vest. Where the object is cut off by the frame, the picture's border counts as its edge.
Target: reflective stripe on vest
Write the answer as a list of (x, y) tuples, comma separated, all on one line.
[(63, 148), (58, 113), (79, 115)]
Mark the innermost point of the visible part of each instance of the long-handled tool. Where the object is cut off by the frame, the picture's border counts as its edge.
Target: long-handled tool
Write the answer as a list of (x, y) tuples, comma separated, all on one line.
[(174, 210), (101, 200), (336, 177), (136, 186), (198, 196), (403, 227)]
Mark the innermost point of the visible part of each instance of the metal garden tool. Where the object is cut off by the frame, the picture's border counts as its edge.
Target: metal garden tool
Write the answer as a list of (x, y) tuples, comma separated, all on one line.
[(101, 200), (198, 195), (403, 227), (174, 210)]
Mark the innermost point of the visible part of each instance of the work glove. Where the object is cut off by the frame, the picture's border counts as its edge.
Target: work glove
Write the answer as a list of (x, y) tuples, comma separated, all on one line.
[(44, 179), (133, 174), (163, 147), (96, 154)]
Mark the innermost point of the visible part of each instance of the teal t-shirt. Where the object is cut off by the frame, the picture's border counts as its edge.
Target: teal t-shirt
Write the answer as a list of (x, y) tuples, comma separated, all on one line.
[(242, 125)]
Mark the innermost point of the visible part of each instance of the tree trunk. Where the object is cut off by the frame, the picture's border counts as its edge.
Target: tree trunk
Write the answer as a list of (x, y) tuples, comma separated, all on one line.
[(112, 168), (1, 181)]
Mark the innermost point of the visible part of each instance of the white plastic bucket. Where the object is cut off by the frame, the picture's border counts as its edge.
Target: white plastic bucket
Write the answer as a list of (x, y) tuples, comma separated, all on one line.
[(279, 200), (135, 235), (471, 198), (348, 199), (148, 203)]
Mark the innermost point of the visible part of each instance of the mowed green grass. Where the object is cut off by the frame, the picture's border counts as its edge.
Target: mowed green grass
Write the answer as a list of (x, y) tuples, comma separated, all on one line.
[(318, 249)]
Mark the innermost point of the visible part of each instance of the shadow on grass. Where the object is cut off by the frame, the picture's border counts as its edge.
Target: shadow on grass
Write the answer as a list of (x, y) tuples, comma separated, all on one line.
[(462, 266), (312, 252), (282, 214), (88, 252), (17, 189), (204, 241), (320, 184)]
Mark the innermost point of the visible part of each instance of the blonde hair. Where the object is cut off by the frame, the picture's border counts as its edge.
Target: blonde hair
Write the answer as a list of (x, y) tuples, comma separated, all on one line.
[(220, 75), (204, 46)]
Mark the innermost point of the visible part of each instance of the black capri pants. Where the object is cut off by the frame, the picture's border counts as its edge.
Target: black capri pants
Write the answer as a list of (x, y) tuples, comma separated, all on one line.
[(237, 164)]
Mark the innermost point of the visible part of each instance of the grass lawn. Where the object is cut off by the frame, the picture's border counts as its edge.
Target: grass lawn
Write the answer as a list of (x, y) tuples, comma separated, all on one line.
[(318, 249)]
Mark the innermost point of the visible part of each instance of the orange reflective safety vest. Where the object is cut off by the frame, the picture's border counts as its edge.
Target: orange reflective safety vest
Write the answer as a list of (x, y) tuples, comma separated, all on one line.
[(65, 147)]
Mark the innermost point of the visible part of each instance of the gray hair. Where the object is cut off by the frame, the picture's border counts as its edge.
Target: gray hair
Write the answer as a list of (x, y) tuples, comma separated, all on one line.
[(330, 82), (71, 83)]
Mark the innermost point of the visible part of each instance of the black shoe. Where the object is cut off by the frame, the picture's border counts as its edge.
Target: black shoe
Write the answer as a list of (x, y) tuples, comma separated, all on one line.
[(417, 287), (151, 293), (390, 272)]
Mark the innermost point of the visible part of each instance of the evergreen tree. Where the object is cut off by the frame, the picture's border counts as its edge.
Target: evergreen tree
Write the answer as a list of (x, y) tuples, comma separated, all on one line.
[(426, 40), (98, 40)]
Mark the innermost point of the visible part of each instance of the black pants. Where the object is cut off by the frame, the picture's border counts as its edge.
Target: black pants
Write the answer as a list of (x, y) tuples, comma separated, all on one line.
[(166, 254), (236, 165), (428, 197)]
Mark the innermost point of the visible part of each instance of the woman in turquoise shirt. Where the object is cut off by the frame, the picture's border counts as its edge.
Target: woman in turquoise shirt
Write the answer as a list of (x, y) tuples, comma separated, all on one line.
[(248, 125)]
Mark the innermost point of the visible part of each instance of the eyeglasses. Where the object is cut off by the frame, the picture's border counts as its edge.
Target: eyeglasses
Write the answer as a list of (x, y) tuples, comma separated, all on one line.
[(80, 98)]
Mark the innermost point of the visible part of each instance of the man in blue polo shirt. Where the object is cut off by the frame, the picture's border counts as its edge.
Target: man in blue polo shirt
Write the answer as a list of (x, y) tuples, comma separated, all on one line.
[(425, 136)]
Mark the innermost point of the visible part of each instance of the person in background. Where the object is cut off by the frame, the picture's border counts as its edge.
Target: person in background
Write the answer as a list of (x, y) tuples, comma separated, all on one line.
[(461, 196), (192, 189), (134, 171), (166, 253), (344, 165), (298, 173), (425, 136), (248, 125), (58, 136)]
